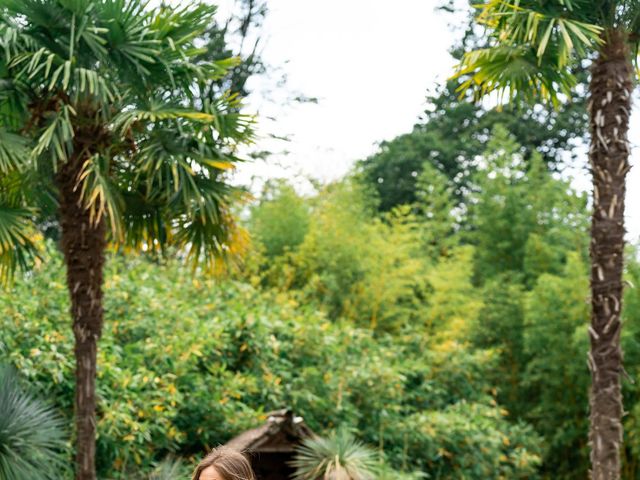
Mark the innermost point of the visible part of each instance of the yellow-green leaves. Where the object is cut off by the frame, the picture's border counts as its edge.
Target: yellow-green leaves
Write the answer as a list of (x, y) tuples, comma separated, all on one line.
[(510, 71), (17, 248), (125, 120), (545, 39), (220, 165), (91, 82), (99, 194)]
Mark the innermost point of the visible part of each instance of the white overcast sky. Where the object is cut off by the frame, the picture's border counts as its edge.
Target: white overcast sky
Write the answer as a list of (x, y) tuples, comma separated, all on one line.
[(370, 64)]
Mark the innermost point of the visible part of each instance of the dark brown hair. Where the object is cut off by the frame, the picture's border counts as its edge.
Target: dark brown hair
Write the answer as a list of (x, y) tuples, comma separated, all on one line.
[(229, 463)]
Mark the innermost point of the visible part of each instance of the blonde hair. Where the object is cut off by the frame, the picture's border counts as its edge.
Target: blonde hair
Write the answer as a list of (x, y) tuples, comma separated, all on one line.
[(229, 463)]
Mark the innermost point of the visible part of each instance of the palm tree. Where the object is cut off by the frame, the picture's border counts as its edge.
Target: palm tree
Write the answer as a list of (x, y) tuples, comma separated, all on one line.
[(337, 457), (32, 439), (532, 50), (102, 117)]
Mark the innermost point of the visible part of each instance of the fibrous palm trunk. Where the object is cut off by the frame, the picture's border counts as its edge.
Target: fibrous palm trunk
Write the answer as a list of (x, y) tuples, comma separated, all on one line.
[(609, 108), (83, 244)]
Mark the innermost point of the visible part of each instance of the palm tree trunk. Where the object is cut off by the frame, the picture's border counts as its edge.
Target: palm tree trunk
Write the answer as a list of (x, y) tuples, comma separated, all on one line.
[(83, 245), (609, 108)]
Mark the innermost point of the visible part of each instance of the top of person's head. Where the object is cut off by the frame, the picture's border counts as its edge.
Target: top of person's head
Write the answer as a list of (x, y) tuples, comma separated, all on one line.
[(228, 463)]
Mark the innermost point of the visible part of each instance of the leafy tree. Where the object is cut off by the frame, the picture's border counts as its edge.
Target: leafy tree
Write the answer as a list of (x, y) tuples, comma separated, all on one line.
[(529, 234), (238, 36), (436, 211), (32, 439), (500, 325), (101, 108), (532, 48), (555, 381), (453, 132), (280, 220), (359, 267), (522, 220)]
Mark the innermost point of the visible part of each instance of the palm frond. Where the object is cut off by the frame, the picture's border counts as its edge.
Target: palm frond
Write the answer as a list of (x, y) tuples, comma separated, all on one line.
[(511, 71), (100, 196), (539, 26), (56, 138), (532, 49), (180, 26), (17, 234), (91, 84), (206, 242), (229, 122), (19, 186), (116, 86), (145, 223), (14, 151), (157, 112)]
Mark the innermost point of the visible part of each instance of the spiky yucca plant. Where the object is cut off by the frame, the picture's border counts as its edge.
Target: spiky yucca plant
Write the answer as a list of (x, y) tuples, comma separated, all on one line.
[(32, 435), (337, 457)]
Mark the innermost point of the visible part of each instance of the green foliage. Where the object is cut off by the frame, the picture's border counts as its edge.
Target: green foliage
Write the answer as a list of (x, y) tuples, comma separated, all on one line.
[(522, 216), (500, 326), (32, 436), (453, 360), (454, 301), (178, 375), (281, 220), (435, 303), (630, 339), (454, 131), (470, 441), (170, 469), (386, 473), (435, 207), (480, 301), (556, 377), (356, 267)]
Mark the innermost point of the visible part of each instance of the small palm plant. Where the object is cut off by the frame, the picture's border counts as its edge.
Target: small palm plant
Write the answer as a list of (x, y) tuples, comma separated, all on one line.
[(32, 439), (340, 456)]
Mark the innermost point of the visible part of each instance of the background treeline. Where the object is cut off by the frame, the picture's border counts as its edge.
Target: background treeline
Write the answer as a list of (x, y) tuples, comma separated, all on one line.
[(450, 332), (434, 302)]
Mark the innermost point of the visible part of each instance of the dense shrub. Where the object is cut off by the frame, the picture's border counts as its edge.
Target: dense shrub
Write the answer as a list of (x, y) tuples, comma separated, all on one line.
[(186, 363)]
